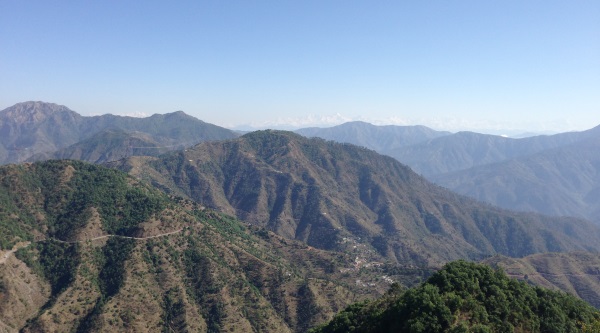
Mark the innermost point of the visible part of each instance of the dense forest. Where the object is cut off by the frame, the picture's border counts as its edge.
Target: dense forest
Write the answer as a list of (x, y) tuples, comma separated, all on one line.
[(468, 297)]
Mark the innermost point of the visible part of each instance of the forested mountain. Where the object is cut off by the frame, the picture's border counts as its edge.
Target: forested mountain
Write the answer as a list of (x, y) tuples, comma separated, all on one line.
[(562, 181), (465, 150), (31, 128), (89, 249), (577, 273), (466, 297), (326, 193), (378, 138)]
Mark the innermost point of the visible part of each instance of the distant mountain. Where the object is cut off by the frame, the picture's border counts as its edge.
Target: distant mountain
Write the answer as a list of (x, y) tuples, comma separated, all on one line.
[(38, 128), (465, 297), (465, 150), (35, 127), (378, 138), (550, 174), (89, 249), (562, 181), (577, 273), (327, 194)]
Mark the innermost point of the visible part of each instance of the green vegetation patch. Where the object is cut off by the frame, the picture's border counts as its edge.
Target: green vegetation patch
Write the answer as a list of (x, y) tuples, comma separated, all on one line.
[(467, 297), (68, 204)]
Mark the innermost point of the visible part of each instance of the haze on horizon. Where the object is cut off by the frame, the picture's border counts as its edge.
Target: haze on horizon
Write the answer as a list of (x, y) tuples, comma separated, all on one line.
[(468, 65)]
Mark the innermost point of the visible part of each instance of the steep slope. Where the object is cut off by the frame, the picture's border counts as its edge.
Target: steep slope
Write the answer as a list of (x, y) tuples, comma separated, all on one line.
[(563, 181), (577, 273), (465, 297), (31, 128), (325, 193), (465, 150), (378, 138), (89, 249)]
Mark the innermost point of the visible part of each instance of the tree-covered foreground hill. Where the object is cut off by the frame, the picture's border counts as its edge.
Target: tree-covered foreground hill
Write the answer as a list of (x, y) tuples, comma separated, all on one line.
[(468, 297)]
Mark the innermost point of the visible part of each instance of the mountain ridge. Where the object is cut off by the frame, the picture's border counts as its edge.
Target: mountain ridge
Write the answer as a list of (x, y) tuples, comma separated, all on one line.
[(464, 150), (31, 128), (379, 138)]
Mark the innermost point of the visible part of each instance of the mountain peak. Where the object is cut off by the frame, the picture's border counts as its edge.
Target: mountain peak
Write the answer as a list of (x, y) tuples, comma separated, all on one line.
[(34, 111)]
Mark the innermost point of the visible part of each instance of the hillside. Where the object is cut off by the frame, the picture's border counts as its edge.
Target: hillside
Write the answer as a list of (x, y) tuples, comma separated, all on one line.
[(378, 138), (328, 194), (88, 249), (577, 273), (110, 145), (465, 150), (562, 181), (466, 297), (31, 128)]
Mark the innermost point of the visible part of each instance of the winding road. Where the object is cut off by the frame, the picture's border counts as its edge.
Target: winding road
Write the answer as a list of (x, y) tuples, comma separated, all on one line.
[(15, 248)]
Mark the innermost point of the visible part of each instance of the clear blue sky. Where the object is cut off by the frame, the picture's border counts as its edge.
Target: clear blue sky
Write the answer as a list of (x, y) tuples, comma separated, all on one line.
[(454, 64)]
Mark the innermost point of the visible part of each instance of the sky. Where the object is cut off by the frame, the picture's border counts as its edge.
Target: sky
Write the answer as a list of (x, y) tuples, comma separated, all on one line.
[(452, 65)]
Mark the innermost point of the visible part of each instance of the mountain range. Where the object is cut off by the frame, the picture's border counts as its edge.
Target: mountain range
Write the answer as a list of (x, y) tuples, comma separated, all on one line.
[(528, 174), (464, 150), (550, 174), (298, 227), (378, 138), (38, 130), (560, 181), (325, 193)]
